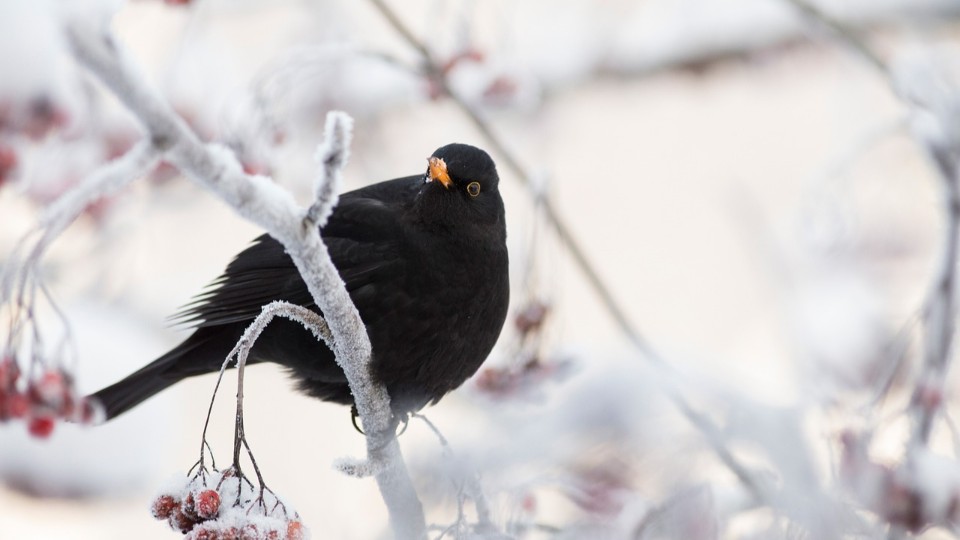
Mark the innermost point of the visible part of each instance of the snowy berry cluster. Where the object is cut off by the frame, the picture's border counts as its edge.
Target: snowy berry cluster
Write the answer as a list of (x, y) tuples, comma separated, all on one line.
[(227, 506), (41, 400)]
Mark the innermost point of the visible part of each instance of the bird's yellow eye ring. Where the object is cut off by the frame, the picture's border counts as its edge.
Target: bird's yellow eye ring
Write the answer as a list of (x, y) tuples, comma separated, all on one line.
[(473, 189)]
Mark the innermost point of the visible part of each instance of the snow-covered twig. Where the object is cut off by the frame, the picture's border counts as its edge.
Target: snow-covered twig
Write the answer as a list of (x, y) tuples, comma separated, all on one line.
[(937, 101), (471, 487), (924, 81), (265, 203), (332, 156), (21, 278), (939, 324), (913, 496)]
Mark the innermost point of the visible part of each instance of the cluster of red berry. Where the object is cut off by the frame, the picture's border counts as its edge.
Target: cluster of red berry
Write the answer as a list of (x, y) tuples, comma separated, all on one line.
[(225, 506), (34, 119), (41, 400)]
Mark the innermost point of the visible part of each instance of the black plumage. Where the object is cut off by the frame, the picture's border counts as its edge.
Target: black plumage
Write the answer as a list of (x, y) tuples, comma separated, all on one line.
[(424, 259)]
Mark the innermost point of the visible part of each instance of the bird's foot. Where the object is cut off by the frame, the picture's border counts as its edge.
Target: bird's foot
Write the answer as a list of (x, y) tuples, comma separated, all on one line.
[(395, 421)]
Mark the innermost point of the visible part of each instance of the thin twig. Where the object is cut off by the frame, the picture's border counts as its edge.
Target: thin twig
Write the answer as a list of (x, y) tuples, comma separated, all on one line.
[(939, 324)]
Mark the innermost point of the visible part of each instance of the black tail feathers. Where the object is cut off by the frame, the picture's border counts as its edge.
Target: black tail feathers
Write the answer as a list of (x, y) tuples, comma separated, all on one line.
[(201, 353), (122, 396)]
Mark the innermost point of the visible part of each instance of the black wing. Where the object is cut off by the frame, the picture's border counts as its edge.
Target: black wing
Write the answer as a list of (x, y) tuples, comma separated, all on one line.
[(362, 236)]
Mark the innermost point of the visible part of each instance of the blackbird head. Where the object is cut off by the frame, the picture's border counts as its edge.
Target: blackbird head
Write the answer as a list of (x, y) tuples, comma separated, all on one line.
[(461, 187)]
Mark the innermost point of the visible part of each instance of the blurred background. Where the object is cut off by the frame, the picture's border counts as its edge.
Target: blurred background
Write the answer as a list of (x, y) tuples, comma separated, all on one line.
[(750, 190)]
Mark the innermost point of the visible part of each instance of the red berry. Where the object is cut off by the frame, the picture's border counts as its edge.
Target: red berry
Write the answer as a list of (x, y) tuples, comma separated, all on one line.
[(44, 115), (202, 533), (249, 532), (17, 405), (9, 370), (207, 504), (41, 427), (295, 531), (8, 162), (180, 521), (189, 508), (529, 503), (52, 387), (163, 506)]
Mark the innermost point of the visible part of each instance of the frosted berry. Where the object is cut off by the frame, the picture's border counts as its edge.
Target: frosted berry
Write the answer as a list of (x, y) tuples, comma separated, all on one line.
[(207, 504), (250, 532), (9, 370), (180, 521), (164, 506), (295, 531), (189, 508), (52, 387), (202, 533), (41, 427)]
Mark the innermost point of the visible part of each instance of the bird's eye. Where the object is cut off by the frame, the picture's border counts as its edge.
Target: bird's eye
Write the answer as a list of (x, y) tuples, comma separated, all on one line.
[(473, 188)]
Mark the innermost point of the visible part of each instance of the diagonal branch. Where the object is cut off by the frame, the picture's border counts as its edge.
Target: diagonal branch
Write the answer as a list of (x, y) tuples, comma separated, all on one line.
[(850, 37), (265, 203)]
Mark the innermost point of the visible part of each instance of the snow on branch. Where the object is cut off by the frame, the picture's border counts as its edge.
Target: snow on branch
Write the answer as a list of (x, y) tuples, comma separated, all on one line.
[(107, 179), (332, 155), (929, 81), (268, 205)]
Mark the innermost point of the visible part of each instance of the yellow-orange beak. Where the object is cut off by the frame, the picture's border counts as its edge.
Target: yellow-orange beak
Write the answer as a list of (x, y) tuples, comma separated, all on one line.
[(438, 172)]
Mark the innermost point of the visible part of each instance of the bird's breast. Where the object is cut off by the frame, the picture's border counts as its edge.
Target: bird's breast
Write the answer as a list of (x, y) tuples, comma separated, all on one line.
[(449, 304)]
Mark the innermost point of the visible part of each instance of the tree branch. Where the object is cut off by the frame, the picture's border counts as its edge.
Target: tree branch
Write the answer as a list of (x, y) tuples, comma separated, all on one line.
[(263, 202)]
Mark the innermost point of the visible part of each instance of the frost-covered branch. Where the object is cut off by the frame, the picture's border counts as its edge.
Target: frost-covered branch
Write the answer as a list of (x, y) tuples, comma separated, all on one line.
[(924, 489), (21, 286), (924, 81), (331, 156), (107, 179), (265, 203)]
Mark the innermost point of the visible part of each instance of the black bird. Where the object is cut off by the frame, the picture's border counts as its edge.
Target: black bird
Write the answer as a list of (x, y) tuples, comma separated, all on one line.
[(424, 259)]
